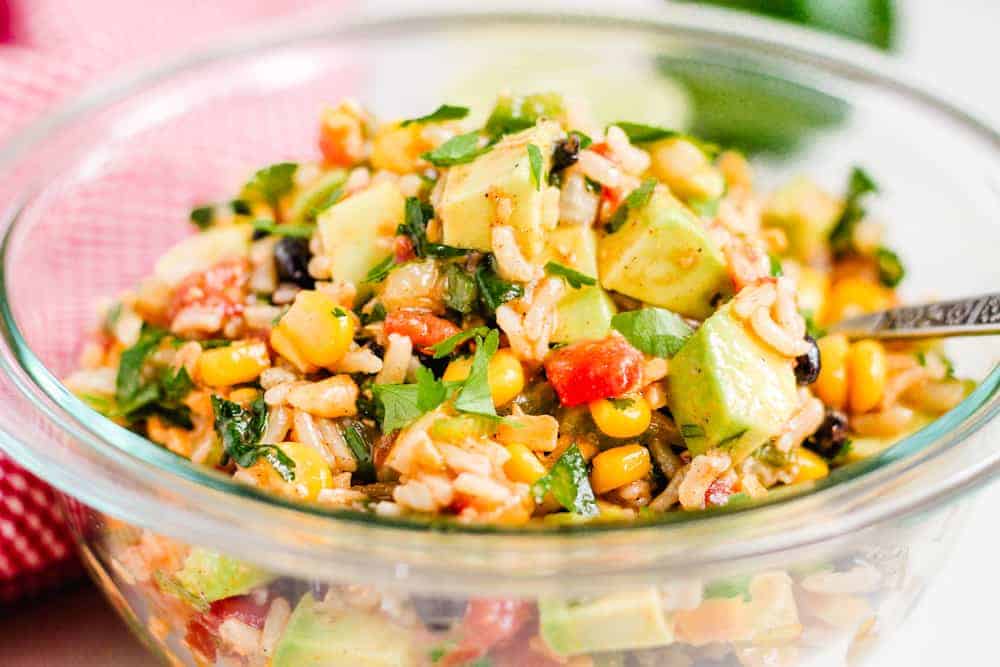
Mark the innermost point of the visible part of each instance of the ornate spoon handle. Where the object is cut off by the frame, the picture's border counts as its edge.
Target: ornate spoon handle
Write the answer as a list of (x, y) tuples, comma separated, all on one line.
[(973, 316)]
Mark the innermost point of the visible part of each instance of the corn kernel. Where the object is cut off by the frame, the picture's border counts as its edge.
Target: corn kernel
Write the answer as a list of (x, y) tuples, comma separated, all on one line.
[(244, 396), (312, 474), (685, 169), (523, 465), (810, 466), (736, 170), (866, 375), (621, 418), (831, 385), (233, 364), (504, 372), (284, 346), (855, 296), (398, 149), (619, 466), (313, 326)]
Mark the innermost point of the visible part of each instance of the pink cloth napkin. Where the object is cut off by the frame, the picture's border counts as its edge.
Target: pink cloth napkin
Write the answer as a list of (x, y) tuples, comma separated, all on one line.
[(50, 50)]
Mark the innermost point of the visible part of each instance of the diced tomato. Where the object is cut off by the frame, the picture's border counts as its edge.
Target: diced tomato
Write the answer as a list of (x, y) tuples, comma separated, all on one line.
[(402, 248), (613, 196), (341, 137), (423, 328), (594, 369), (222, 286), (203, 629), (601, 148), (718, 492), (487, 622)]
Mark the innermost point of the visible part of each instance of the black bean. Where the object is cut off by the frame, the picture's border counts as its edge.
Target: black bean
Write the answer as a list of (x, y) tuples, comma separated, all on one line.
[(830, 437), (291, 256), (439, 613), (566, 154), (807, 366)]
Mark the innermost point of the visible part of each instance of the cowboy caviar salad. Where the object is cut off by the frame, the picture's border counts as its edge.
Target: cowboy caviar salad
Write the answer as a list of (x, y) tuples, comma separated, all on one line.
[(539, 319)]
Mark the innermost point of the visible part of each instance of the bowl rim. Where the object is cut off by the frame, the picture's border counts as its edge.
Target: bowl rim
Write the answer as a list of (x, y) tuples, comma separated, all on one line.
[(167, 475)]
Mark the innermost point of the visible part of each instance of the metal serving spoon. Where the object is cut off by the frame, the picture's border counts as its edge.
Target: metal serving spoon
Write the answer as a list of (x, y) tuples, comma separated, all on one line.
[(972, 316)]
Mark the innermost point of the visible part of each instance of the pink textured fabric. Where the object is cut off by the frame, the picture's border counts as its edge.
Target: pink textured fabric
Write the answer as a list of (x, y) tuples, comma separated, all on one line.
[(50, 50)]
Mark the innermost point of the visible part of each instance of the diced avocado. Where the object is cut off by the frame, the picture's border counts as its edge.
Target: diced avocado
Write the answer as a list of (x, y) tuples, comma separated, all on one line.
[(514, 113), (316, 637), (806, 213), (728, 389), (209, 575), (468, 208), (620, 621), (662, 255), (202, 251), (357, 232), (586, 312), (303, 207)]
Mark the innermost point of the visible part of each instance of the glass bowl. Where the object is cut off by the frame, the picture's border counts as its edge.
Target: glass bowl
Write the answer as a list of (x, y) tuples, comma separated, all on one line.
[(812, 577)]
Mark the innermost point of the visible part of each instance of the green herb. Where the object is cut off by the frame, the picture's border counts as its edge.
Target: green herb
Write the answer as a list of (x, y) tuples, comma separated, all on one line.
[(272, 183), (592, 186), (323, 204), (655, 331), (843, 452), (460, 291), (813, 329), (129, 382), (692, 431), (266, 226), (494, 291), (514, 113), (175, 386), (442, 113), (890, 268), (339, 312), (705, 208), (775, 266), (448, 345), (240, 207), (400, 404), (440, 651), (414, 226), (772, 456), (575, 279), (585, 141), (475, 395), (921, 357), (202, 216), (842, 234), (355, 438), (375, 314), (103, 404), (241, 431), (622, 403), (729, 588), (379, 272), (457, 150), (537, 164), (638, 133), (634, 201), (568, 483)]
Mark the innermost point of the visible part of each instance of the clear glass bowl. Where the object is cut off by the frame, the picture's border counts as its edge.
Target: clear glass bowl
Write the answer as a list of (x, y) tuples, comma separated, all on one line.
[(103, 186)]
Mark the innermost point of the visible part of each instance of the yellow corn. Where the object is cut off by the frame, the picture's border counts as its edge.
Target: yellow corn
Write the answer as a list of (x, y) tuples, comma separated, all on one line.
[(617, 467), (398, 148), (244, 396), (855, 296), (812, 290), (233, 364), (685, 169), (736, 169), (284, 346), (523, 465), (623, 418), (312, 474), (831, 385), (866, 375), (315, 328), (810, 466), (504, 372)]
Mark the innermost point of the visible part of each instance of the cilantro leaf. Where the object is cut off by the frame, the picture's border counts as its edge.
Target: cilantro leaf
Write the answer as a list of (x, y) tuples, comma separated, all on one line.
[(266, 226), (776, 270), (448, 345), (379, 272), (569, 484), (202, 216), (431, 392), (414, 225), (457, 150), (241, 431), (460, 291), (634, 201), (494, 291), (859, 185), (175, 385), (655, 331), (638, 133), (692, 431), (729, 588), (812, 328), (575, 279), (442, 113), (129, 380), (273, 182), (585, 141), (890, 267), (475, 395), (537, 164), (354, 436), (514, 113), (376, 314), (323, 203), (397, 405)]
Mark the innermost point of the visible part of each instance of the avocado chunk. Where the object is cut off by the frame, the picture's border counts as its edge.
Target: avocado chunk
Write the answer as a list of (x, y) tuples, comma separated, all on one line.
[(583, 313), (514, 113), (357, 232), (203, 251), (662, 255), (305, 206), (806, 213), (468, 207), (728, 389), (317, 637), (209, 576), (615, 622)]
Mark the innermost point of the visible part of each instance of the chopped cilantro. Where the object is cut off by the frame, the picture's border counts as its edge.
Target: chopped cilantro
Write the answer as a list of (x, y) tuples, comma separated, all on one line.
[(460, 291), (325, 202), (568, 483), (400, 404), (202, 216), (655, 331), (379, 272), (355, 438), (457, 150), (842, 234), (890, 268), (266, 226), (638, 133), (414, 225), (212, 343), (448, 345), (128, 383), (514, 113), (442, 113), (692, 431), (776, 270), (475, 395), (375, 314), (813, 329), (494, 291), (272, 183), (241, 431), (634, 201), (537, 164), (339, 312), (622, 403), (729, 588), (575, 279), (705, 208), (921, 357), (585, 141), (240, 207)]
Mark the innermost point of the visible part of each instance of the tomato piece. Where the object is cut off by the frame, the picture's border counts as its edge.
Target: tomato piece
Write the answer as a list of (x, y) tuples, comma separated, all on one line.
[(202, 630), (594, 369), (718, 492), (421, 327), (487, 622), (341, 137), (402, 248), (221, 286)]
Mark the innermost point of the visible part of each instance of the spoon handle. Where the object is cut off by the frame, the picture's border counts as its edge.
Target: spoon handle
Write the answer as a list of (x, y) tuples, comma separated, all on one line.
[(972, 316)]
